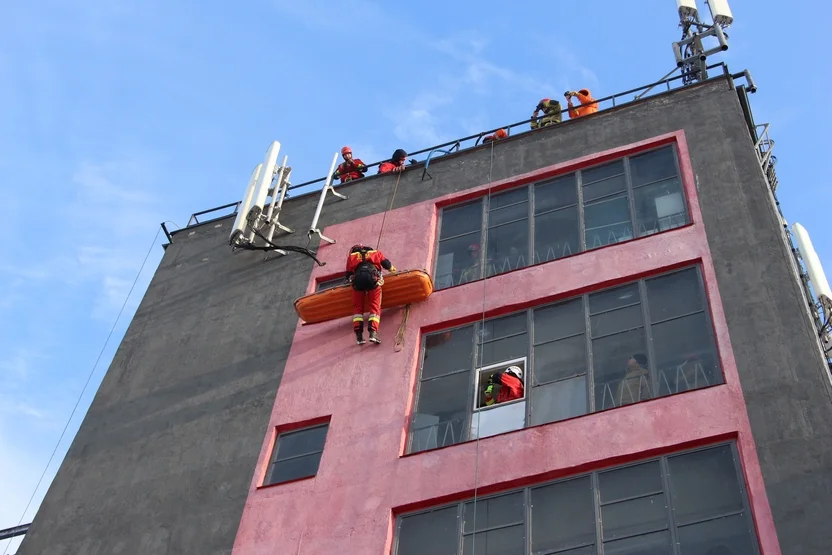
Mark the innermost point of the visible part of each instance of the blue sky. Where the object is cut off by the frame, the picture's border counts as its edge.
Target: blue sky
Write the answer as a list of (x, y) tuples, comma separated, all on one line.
[(120, 115)]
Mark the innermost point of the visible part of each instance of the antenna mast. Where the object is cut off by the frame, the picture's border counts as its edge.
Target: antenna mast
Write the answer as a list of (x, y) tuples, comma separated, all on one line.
[(690, 52)]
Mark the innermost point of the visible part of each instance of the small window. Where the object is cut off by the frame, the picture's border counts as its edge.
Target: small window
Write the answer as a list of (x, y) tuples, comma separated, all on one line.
[(297, 455), (500, 406), (329, 284)]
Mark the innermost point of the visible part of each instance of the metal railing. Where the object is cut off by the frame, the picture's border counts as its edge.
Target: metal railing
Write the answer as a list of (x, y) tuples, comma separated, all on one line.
[(14, 531), (456, 146)]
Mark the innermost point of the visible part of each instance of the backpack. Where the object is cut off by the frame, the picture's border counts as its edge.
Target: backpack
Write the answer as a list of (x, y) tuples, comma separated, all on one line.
[(366, 275)]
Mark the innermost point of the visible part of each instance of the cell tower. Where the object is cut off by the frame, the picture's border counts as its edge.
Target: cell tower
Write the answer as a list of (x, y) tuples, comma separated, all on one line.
[(690, 52)]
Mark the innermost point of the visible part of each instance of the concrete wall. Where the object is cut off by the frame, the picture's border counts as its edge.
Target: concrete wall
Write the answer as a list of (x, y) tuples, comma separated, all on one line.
[(165, 457)]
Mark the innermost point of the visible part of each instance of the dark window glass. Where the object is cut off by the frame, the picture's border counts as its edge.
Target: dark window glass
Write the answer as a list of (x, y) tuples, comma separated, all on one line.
[(504, 510), (563, 516), (559, 400), (674, 295), (561, 359), (607, 222), (441, 412), (559, 321), (297, 455), (685, 357), (704, 485), (660, 207), (448, 352), (723, 536), (329, 284), (614, 298), (618, 381), (653, 166), (503, 339), (603, 181), (434, 532), (508, 232), (657, 543), (636, 516), (631, 481), (460, 252), (503, 541), (556, 194), (556, 235)]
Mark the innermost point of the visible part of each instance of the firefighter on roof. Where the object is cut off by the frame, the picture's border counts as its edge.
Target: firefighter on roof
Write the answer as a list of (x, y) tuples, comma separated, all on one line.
[(551, 113), (351, 168), (364, 266), (510, 383), (395, 163), (588, 104), (496, 136)]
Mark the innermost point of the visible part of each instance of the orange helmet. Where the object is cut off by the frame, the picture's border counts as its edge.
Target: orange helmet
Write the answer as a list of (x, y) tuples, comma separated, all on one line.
[(346, 150), (501, 134)]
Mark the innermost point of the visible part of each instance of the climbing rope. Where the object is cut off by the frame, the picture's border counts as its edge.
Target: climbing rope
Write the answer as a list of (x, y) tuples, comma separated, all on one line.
[(480, 349), (389, 208)]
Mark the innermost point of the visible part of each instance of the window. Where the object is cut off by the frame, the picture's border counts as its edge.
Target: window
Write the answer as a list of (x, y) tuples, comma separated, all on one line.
[(599, 351), (329, 284), (691, 503), (634, 196), (296, 455)]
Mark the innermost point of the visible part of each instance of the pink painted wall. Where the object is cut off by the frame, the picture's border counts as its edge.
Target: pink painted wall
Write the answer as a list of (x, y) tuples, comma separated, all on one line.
[(367, 392)]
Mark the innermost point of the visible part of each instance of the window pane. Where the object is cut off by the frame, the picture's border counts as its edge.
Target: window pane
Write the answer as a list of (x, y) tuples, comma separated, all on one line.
[(329, 284), (614, 298), (504, 349), (301, 442), (458, 261), (292, 469), (674, 295), (616, 321), (441, 412), (448, 351), (556, 235), (505, 541), (637, 516), (618, 379), (630, 481), (558, 321), (648, 544), (559, 401), (603, 180), (659, 207), (501, 200), (502, 327), (557, 193), (461, 219), (607, 222), (704, 484), (563, 515), (495, 511), (559, 359), (506, 417), (685, 355), (433, 532), (508, 248), (723, 536), (509, 213), (652, 166)]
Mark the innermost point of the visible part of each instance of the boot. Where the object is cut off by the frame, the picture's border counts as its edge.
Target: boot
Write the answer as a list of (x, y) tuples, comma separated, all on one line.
[(374, 337), (359, 336)]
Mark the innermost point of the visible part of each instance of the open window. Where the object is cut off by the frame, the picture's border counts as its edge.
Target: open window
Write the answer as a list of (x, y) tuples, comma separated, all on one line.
[(499, 404)]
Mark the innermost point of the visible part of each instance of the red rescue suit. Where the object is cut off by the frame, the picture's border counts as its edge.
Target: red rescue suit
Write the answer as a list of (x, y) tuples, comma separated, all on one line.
[(353, 169), (364, 270), (512, 388), (387, 167)]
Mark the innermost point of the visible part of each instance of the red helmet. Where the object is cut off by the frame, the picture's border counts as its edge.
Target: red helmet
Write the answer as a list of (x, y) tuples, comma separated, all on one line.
[(346, 150), (474, 248), (358, 248), (501, 134)]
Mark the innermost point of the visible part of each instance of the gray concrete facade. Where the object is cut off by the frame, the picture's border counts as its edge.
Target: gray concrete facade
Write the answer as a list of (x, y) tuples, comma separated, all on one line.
[(163, 460)]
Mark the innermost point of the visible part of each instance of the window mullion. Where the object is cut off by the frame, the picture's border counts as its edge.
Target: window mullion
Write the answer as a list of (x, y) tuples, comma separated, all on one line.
[(677, 166), (596, 504), (648, 337), (746, 503), (671, 519), (530, 242), (527, 379), (590, 371), (460, 527), (581, 222), (527, 518), (631, 201), (486, 206)]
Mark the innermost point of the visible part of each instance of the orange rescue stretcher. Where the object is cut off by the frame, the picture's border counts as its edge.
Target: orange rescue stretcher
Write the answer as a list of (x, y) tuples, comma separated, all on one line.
[(399, 289)]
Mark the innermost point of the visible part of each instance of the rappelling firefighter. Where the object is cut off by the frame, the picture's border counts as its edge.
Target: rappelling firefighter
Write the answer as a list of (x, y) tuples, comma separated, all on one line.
[(551, 113), (510, 385), (496, 136), (351, 168), (588, 104), (364, 265)]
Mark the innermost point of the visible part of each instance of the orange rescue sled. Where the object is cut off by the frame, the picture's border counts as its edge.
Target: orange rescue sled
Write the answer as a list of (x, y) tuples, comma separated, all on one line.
[(399, 289)]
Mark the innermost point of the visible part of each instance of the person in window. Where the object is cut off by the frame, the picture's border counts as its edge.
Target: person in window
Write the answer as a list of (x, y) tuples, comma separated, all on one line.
[(364, 266), (351, 168), (496, 136), (395, 163), (635, 386), (509, 384), (587, 103), (472, 272), (551, 113)]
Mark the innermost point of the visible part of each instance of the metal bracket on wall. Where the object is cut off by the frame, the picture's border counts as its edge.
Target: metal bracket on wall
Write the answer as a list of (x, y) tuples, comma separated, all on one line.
[(313, 229), (455, 147)]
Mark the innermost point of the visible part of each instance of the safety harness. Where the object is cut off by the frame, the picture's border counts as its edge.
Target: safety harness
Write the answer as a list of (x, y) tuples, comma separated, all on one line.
[(367, 276)]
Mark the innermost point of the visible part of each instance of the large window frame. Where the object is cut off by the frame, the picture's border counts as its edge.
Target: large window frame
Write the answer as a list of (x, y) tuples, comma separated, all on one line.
[(580, 204), (669, 490), (590, 384)]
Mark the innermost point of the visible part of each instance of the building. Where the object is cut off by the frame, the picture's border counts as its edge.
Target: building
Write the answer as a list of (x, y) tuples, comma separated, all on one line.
[(676, 398)]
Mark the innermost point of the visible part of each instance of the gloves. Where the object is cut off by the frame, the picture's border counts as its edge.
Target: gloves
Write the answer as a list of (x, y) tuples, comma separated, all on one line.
[(392, 269)]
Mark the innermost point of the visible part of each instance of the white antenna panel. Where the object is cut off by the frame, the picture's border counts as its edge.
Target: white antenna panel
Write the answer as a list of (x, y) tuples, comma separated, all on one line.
[(264, 182), (813, 266), (721, 12), (245, 205), (687, 8)]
